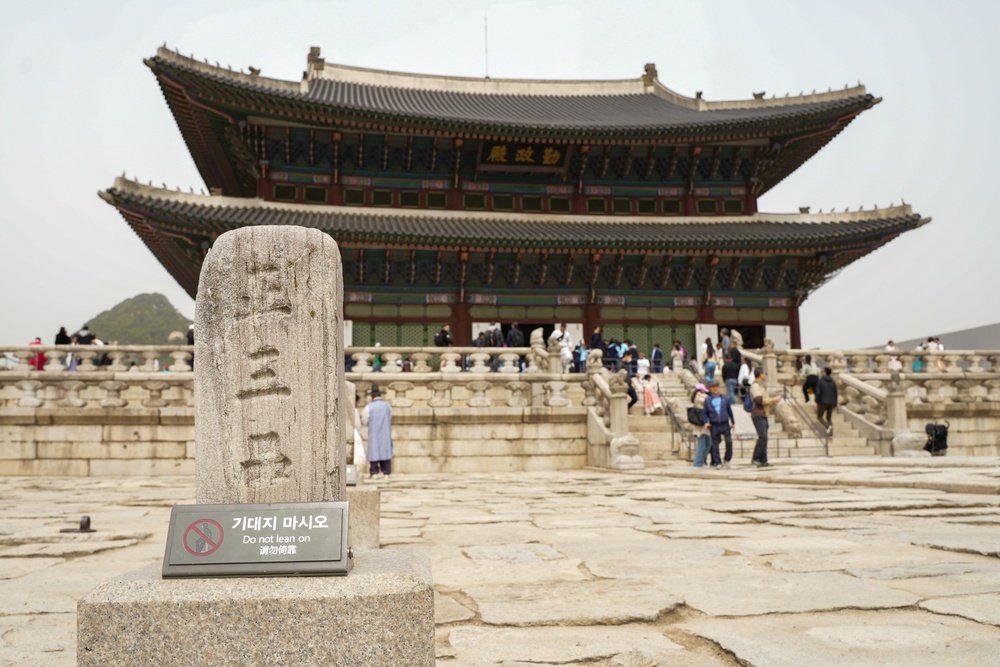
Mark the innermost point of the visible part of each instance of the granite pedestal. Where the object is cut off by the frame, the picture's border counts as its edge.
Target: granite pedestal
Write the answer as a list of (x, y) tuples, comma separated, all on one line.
[(382, 614)]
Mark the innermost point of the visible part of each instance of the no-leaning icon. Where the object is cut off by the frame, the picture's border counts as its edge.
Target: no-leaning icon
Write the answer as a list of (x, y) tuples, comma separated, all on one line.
[(203, 537)]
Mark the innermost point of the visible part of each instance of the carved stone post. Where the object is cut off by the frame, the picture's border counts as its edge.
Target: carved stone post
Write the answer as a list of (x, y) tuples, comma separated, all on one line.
[(555, 395), (118, 361), (71, 395), (510, 362), (451, 362), (361, 362), (149, 361), (155, 389), (618, 409), (895, 405), (770, 361), (479, 398), (399, 399), (30, 398), (114, 389), (181, 359), (392, 362), (87, 356), (442, 394), (54, 361), (420, 362), (480, 362), (269, 424), (519, 393), (595, 364)]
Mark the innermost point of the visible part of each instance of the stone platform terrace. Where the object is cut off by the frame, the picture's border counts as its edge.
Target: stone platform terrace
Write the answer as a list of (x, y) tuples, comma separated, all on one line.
[(850, 561)]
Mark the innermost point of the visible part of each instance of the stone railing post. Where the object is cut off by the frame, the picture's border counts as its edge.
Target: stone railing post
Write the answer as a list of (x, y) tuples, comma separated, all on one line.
[(554, 351), (555, 395), (420, 362), (71, 394), (54, 361), (618, 409), (520, 394), (442, 394), (87, 355), (181, 359), (117, 358), (479, 389), (451, 362), (895, 405), (114, 389), (361, 362), (480, 362), (510, 362), (30, 398), (392, 362), (399, 389), (770, 361), (149, 361), (155, 389)]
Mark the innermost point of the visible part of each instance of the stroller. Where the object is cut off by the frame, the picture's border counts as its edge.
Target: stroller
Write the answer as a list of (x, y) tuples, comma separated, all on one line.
[(937, 439)]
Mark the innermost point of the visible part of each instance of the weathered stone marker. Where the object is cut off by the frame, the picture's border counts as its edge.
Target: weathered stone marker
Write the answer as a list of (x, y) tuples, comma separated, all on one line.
[(269, 428), (269, 419)]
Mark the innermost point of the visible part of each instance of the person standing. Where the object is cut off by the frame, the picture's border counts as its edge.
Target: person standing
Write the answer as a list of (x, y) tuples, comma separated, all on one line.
[(730, 376), (724, 340), (62, 338), (633, 398), (650, 395), (377, 415), (656, 359), (734, 352), (704, 441), (745, 377), (762, 407), (642, 366), (443, 337), (826, 399), (515, 337), (708, 359), (717, 414), (810, 372), (677, 357), (634, 352)]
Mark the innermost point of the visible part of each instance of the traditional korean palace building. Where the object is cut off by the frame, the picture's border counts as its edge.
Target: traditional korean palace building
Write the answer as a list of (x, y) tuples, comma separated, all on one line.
[(465, 201)]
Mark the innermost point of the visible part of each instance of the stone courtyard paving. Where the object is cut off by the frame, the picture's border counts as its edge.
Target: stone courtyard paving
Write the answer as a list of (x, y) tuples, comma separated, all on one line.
[(853, 562)]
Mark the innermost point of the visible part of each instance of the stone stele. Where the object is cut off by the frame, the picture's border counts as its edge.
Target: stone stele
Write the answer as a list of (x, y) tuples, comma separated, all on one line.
[(269, 383), (269, 427)]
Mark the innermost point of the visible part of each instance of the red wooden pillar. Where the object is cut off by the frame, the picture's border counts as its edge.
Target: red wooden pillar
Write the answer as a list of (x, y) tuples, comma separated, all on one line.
[(796, 335), (461, 325)]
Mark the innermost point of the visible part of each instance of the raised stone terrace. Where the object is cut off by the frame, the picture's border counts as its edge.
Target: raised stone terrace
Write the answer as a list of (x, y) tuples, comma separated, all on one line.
[(846, 561)]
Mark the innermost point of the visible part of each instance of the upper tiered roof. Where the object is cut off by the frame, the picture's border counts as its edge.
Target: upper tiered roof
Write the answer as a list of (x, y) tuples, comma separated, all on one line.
[(642, 104), (212, 103)]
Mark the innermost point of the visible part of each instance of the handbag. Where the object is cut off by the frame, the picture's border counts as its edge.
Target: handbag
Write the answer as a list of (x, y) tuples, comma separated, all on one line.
[(694, 416)]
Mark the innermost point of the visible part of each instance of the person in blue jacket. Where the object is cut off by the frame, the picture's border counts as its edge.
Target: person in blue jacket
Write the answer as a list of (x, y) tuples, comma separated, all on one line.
[(719, 421)]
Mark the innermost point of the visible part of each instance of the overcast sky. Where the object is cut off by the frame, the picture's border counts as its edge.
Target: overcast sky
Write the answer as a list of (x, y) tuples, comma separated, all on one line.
[(78, 107)]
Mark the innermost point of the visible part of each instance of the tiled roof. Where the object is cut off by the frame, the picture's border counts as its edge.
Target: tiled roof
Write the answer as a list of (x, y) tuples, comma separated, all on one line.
[(512, 230), (639, 104)]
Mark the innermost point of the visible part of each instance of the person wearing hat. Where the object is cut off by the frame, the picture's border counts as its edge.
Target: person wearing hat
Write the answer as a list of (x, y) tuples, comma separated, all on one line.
[(377, 416)]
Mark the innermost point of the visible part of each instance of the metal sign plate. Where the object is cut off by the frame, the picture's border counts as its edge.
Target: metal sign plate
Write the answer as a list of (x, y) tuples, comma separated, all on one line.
[(257, 540)]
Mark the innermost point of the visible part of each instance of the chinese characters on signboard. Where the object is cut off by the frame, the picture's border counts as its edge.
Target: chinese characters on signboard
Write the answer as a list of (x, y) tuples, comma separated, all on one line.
[(516, 156)]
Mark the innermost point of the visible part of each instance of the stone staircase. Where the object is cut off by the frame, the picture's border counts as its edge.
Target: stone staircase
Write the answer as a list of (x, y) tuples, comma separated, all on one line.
[(658, 441)]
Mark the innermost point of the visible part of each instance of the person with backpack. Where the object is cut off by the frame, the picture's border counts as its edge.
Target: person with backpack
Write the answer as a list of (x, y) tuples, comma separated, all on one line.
[(826, 399), (717, 414), (515, 337), (443, 337)]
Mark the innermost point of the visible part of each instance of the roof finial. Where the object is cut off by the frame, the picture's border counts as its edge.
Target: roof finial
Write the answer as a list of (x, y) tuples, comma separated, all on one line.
[(902, 202), (650, 74), (760, 95)]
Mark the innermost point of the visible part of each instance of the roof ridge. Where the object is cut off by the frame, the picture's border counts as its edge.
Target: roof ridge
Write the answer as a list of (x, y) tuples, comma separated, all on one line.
[(648, 83), (127, 185)]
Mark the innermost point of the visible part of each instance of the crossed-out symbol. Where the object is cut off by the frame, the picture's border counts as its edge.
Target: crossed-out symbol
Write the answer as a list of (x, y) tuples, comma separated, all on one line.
[(203, 537)]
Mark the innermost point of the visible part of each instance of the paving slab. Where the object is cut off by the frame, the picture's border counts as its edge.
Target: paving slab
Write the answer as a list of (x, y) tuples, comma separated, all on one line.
[(982, 608), (852, 637), (709, 569)]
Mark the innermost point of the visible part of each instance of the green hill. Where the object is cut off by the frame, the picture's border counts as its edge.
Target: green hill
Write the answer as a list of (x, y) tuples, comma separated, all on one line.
[(146, 319)]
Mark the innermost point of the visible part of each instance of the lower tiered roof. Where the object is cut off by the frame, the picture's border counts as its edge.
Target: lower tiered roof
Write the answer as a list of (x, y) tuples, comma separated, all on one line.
[(179, 229)]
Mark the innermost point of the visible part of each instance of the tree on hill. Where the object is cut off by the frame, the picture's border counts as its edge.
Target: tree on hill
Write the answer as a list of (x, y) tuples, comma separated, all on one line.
[(146, 319)]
